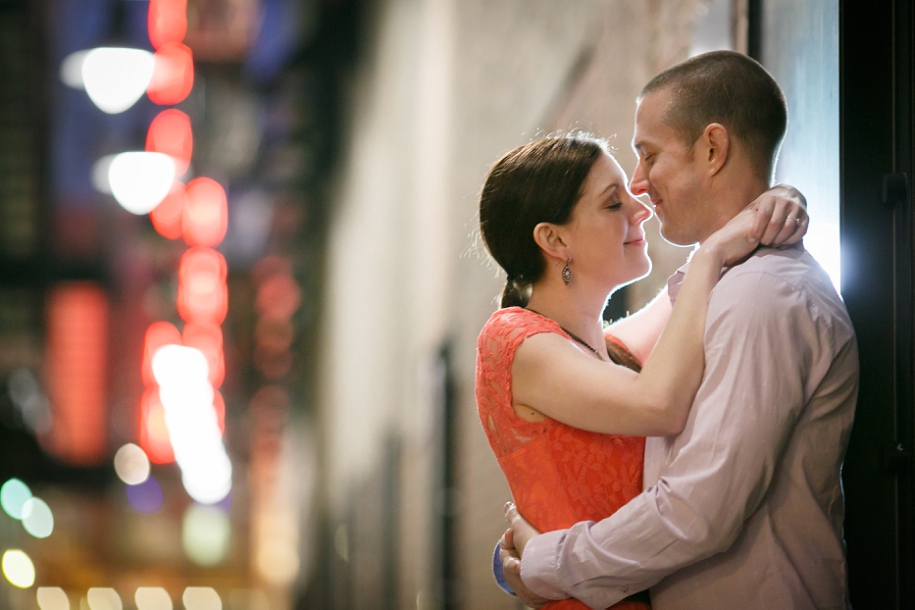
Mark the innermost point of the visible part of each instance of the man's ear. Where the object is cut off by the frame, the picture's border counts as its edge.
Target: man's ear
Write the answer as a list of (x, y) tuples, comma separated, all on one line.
[(716, 146), (550, 239)]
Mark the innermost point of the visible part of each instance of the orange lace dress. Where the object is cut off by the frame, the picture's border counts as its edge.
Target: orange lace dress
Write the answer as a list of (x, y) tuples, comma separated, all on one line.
[(558, 475)]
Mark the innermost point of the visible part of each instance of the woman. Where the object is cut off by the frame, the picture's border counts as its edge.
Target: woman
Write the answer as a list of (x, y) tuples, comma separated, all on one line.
[(565, 407)]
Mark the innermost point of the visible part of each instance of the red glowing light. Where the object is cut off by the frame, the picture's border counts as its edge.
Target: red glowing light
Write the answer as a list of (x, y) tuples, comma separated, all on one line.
[(77, 339), (207, 337), (219, 405), (173, 75), (157, 335), (278, 297), (206, 216), (167, 21), (167, 216), (170, 133), (202, 291), (154, 438)]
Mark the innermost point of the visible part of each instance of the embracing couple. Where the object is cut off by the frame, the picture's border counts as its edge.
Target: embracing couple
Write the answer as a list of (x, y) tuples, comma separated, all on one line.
[(743, 374)]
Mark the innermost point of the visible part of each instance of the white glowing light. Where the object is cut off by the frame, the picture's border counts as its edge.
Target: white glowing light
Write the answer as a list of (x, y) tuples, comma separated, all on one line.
[(71, 69), (152, 598), (115, 78), (52, 598), (201, 598), (37, 518), (104, 598), (187, 397), (140, 181), (13, 496), (100, 171), (205, 535), (179, 365), (18, 569), (131, 464)]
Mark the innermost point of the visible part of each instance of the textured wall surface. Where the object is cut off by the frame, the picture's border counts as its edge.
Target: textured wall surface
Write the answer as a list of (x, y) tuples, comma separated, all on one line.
[(446, 88)]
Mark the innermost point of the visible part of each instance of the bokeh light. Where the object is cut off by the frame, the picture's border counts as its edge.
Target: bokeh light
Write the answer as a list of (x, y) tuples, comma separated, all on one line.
[(145, 497), (205, 535), (18, 568), (168, 216), (152, 598), (139, 181), (131, 464), (52, 598), (37, 518), (157, 335), (71, 69), (167, 21), (115, 78), (202, 291), (170, 133), (201, 598), (277, 558), (188, 398), (207, 337), (206, 217), (154, 437), (104, 598), (173, 75), (13, 495)]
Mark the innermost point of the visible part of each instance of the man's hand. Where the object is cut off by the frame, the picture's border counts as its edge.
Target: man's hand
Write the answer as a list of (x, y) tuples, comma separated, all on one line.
[(511, 571)]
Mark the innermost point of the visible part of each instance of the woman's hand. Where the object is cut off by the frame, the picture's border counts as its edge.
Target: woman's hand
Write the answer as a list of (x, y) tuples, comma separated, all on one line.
[(786, 209), (776, 218)]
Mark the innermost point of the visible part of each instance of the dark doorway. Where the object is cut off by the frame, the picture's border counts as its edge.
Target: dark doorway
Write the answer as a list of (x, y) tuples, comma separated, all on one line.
[(876, 98)]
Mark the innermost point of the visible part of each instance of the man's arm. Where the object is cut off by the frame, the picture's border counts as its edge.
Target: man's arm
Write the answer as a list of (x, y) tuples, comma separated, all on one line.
[(757, 360)]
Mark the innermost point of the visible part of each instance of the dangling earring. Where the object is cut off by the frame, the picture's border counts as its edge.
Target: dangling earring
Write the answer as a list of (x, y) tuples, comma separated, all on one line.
[(566, 275)]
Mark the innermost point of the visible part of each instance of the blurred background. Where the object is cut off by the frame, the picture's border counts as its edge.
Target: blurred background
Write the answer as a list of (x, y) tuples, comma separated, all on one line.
[(241, 282)]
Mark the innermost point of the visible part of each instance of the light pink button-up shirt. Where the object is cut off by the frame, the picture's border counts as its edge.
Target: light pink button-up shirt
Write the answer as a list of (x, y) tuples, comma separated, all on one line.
[(744, 508)]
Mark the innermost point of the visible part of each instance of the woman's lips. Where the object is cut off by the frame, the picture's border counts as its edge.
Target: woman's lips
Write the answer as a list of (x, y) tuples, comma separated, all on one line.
[(638, 241)]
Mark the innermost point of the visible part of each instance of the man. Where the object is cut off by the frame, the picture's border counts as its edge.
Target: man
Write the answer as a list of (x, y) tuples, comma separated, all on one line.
[(744, 508)]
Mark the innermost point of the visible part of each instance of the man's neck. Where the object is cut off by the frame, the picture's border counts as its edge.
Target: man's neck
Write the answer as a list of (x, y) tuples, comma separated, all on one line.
[(731, 201)]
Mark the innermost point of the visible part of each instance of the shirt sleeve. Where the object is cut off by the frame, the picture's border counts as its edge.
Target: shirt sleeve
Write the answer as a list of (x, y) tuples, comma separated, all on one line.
[(758, 339)]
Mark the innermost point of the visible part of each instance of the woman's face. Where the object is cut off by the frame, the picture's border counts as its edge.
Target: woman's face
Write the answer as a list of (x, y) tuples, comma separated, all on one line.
[(605, 233)]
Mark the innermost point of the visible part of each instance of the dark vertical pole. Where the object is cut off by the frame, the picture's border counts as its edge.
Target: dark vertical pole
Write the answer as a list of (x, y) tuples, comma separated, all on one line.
[(446, 586), (876, 98), (902, 173), (754, 29)]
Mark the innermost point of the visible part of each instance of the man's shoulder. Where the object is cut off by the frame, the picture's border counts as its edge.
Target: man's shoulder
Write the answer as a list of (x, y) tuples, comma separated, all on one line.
[(791, 269), (783, 280)]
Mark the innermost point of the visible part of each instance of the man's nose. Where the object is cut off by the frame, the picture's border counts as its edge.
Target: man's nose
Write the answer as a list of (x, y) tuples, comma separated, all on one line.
[(638, 184)]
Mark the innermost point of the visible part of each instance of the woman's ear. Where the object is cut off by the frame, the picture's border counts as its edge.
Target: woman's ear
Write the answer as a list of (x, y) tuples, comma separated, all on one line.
[(550, 239), (716, 145)]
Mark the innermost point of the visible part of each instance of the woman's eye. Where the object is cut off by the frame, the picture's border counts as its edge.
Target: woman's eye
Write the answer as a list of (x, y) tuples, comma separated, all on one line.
[(614, 205)]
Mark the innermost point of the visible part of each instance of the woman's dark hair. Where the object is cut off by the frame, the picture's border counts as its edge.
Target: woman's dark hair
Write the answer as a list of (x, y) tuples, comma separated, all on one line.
[(538, 182)]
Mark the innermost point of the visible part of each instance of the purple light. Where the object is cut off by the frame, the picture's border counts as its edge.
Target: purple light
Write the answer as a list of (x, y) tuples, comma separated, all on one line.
[(146, 497)]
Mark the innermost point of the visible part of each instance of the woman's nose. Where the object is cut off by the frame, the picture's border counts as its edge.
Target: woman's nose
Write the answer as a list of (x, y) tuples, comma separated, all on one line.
[(641, 212)]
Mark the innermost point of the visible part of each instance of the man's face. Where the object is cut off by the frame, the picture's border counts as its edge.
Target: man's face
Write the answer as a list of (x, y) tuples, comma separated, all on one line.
[(668, 172)]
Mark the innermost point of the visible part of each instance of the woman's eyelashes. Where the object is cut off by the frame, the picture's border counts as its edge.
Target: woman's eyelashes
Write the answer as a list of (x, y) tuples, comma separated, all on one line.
[(614, 204)]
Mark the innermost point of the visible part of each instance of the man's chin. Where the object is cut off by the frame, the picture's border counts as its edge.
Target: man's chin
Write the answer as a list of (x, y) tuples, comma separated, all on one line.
[(676, 239)]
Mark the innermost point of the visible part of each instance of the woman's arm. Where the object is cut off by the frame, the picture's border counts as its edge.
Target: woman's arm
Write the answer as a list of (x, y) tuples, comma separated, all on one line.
[(552, 377)]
